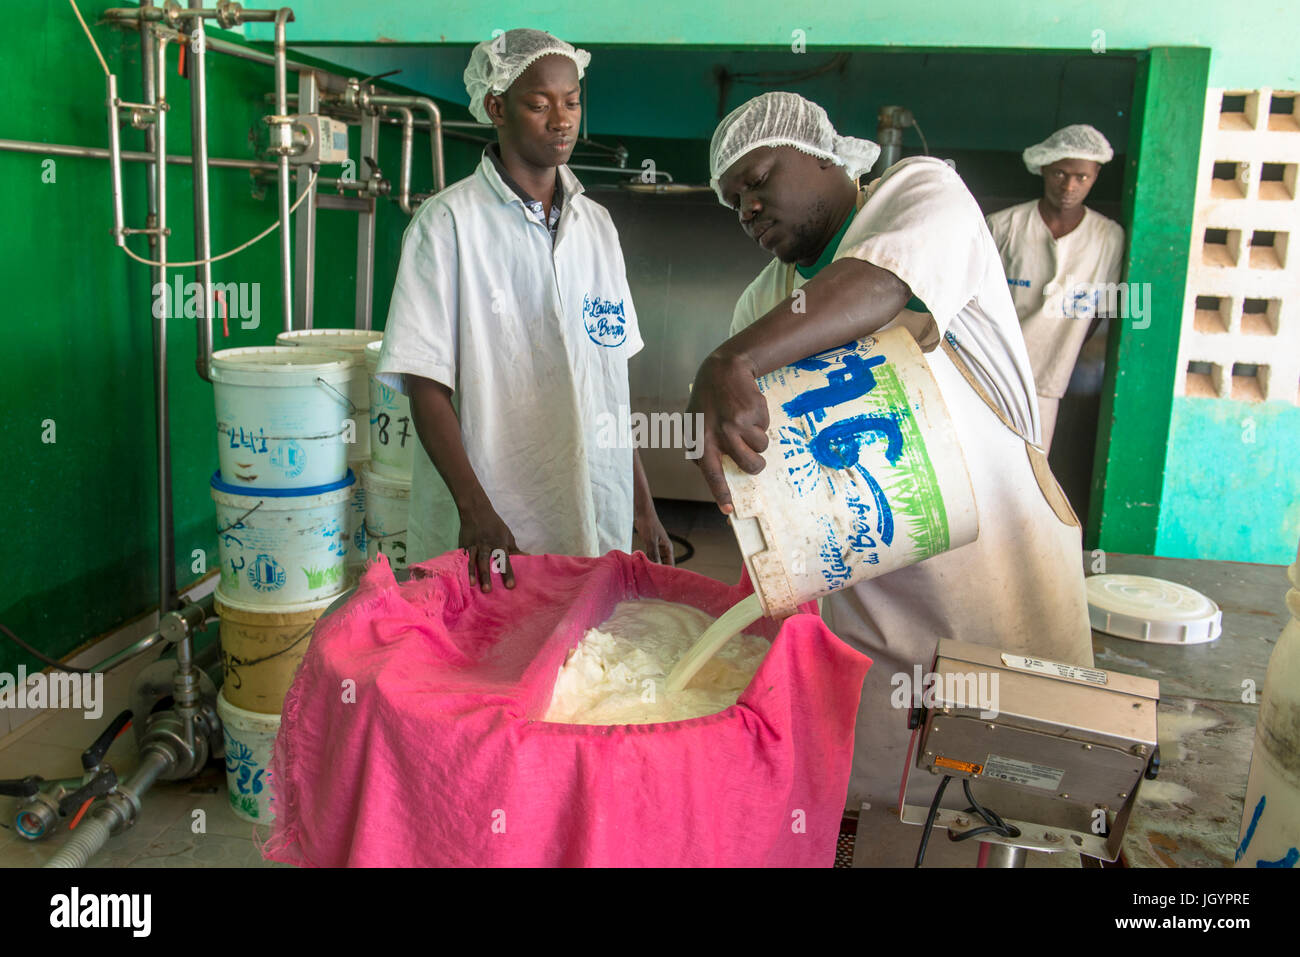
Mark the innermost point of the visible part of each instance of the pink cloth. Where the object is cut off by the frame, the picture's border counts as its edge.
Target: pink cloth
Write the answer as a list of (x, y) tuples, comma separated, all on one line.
[(443, 759)]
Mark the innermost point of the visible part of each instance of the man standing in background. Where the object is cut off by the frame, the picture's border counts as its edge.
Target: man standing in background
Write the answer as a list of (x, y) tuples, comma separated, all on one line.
[(1059, 257)]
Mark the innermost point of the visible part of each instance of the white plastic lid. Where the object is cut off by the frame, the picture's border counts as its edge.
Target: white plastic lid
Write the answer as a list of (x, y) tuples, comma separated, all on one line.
[(1152, 610), (346, 340)]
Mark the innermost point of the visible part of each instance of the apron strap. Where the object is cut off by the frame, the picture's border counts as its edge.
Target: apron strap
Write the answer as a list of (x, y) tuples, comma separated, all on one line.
[(1047, 483)]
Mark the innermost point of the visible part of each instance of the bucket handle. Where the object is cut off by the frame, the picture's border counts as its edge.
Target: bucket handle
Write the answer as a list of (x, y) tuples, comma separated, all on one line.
[(352, 409), (239, 522), (231, 664)]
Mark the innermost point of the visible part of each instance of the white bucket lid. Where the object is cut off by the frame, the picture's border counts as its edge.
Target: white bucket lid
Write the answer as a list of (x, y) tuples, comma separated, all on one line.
[(284, 366), (243, 719), (1151, 610), (293, 608), (390, 485), (352, 341)]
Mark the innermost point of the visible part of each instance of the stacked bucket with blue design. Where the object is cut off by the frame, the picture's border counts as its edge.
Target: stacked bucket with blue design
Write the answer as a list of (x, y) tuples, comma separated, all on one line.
[(284, 492)]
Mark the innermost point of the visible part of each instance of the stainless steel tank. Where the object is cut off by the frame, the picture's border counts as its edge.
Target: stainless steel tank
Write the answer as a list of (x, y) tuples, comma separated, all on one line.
[(687, 263)]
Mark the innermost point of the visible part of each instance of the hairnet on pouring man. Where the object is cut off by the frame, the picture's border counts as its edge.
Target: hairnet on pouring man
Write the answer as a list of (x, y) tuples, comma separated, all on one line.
[(1079, 141), (495, 64), (785, 119)]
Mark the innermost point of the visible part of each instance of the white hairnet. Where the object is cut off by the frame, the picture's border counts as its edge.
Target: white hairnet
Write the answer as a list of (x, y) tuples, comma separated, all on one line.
[(1079, 141), (785, 119), (495, 64)]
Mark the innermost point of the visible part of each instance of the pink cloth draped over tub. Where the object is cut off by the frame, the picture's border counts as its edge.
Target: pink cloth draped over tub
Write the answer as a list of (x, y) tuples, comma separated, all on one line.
[(443, 759)]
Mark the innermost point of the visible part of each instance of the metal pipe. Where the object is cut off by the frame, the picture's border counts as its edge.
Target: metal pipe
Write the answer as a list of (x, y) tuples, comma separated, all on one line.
[(116, 811), (619, 169), (408, 140), (254, 56), (366, 230), (282, 141), (166, 532), (130, 156), (435, 129), (1000, 855), (115, 167), (202, 225), (305, 272)]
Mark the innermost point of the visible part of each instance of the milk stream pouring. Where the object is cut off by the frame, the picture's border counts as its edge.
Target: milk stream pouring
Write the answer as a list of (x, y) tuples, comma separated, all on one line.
[(864, 475), (1270, 823)]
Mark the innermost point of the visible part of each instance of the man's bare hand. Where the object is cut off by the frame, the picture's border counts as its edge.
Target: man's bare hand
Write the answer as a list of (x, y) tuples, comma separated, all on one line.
[(735, 421)]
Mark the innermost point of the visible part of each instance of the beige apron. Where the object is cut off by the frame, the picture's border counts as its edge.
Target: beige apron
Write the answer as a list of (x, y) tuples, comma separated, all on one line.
[(1017, 587)]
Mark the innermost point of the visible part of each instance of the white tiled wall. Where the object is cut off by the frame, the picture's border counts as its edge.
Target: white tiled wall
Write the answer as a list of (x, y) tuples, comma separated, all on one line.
[(1242, 304)]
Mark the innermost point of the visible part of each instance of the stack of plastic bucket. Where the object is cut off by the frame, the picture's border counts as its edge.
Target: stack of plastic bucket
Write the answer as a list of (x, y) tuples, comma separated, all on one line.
[(282, 494), (387, 480), (353, 343)]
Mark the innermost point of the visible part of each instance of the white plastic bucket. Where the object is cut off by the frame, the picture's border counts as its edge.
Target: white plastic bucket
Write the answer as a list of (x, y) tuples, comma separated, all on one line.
[(864, 474), (249, 739), (353, 343), (280, 416), (388, 503), (392, 433), (356, 557), (282, 547)]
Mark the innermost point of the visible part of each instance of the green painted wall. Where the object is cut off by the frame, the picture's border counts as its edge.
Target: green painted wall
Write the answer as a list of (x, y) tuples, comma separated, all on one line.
[(80, 512), (1252, 40), (1232, 481)]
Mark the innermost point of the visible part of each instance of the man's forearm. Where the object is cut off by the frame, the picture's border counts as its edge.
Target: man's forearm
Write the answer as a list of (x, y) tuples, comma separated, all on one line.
[(847, 300), (439, 432), (641, 496)]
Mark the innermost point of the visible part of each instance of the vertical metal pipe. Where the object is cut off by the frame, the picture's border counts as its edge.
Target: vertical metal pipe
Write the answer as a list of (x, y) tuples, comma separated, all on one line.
[(305, 271), (115, 161), (1000, 855), (282, 110), (202, 231), (408, 144), (366, 227), (166, 536)]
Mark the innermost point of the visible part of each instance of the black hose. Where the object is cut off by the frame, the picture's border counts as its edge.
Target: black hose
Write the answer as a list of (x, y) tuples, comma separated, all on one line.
[(36, 654), (690, 549)]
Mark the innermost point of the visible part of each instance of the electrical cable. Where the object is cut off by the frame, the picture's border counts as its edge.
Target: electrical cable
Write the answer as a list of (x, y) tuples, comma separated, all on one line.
[(89, 37), (260, 236), (924, 145), (993, 822), (36, 654), (690, 549), (929, 819)]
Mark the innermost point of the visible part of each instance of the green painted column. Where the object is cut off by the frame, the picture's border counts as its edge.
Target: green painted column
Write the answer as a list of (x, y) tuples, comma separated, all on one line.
[(1142, 355)]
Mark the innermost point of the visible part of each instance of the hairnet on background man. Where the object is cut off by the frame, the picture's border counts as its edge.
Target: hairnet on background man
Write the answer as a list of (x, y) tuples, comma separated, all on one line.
[(785, 119), (1079, 141), (495, 64)]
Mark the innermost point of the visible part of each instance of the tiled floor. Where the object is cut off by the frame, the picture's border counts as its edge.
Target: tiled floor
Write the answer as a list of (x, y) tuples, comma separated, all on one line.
[(170, 832)]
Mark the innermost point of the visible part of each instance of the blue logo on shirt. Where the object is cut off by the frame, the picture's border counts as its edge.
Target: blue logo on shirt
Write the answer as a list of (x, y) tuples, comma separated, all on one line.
[(1017, 282), (605, 320)]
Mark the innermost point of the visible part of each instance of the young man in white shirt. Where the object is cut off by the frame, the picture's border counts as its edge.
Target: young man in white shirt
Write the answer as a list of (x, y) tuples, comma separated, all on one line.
[(911, 250), (1061, 260), (512, 294)]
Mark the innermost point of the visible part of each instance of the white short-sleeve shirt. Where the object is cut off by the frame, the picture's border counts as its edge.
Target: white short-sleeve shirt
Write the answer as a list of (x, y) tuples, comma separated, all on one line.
[(1057, 285), (533, 338), (921, 223)]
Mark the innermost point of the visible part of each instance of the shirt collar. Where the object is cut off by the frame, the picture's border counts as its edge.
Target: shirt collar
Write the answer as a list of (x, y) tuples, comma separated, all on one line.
[(566, 183), (828, 253)]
